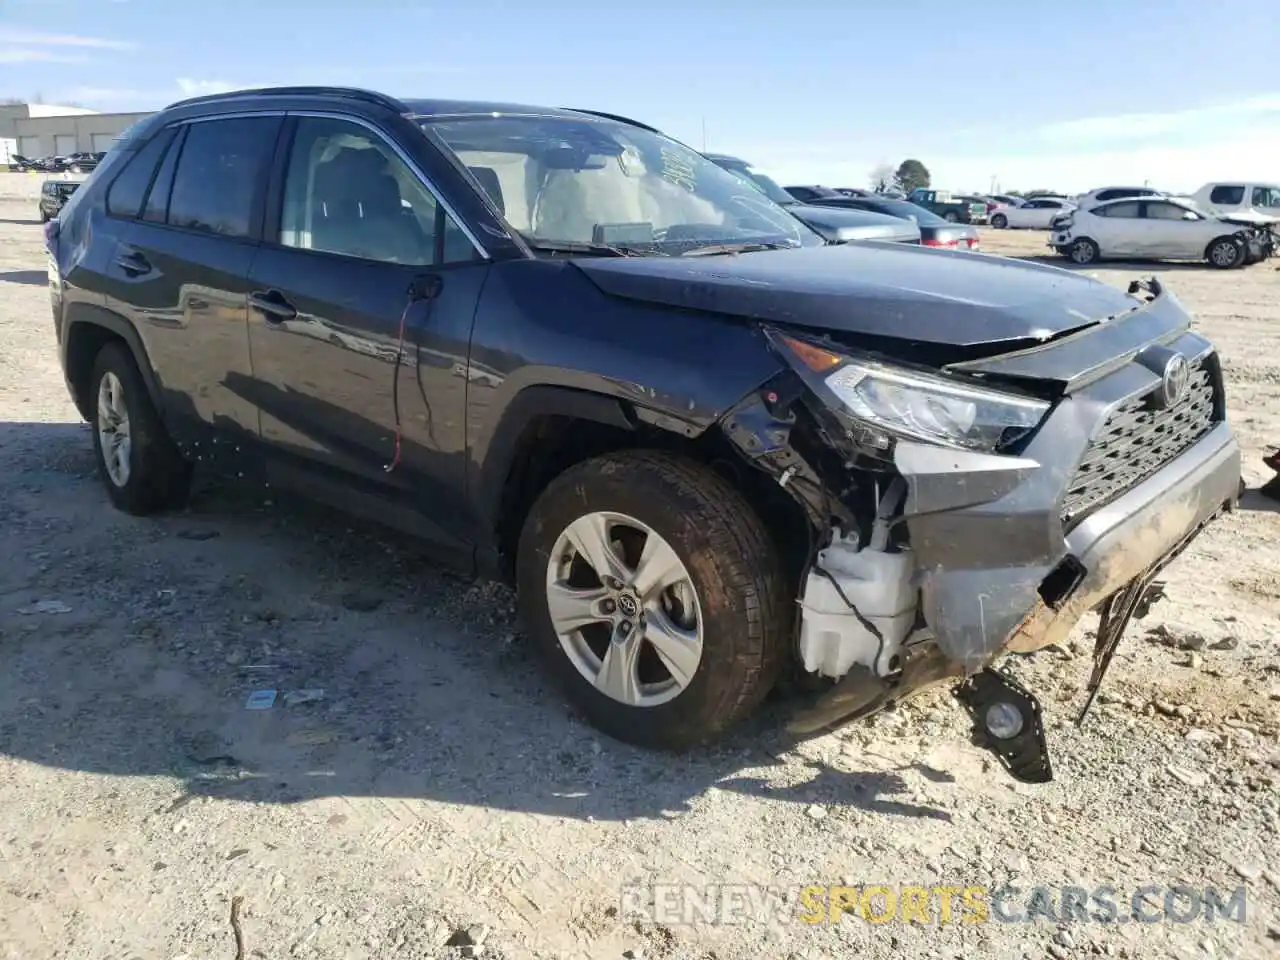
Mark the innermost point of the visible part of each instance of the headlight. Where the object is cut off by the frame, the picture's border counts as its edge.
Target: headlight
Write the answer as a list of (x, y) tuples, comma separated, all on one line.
[(918, 406)]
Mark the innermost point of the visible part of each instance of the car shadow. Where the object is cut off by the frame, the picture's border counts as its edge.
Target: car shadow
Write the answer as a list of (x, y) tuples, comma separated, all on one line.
[(1264, 499), (18, 222), (132, 647), (36, 278)]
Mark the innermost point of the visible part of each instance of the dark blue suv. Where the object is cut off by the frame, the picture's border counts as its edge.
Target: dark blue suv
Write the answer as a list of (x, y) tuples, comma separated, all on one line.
[(711, 448)]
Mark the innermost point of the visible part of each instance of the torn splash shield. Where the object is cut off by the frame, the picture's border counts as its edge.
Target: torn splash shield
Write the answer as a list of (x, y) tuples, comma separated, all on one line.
[(1134, 600)]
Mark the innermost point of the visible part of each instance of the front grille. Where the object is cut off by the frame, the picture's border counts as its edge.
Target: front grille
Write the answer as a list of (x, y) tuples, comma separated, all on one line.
[(1136, 441)]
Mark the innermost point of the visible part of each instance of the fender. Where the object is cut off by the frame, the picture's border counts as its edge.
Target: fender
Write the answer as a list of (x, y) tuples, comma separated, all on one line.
[(79, 315), (487, 477)]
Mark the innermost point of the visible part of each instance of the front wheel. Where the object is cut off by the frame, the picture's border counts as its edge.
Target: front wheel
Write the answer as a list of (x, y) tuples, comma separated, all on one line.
[(655, 595), (1226, 253)]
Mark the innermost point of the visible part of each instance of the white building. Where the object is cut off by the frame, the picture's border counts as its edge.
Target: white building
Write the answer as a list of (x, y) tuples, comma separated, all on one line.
[(38, 130)]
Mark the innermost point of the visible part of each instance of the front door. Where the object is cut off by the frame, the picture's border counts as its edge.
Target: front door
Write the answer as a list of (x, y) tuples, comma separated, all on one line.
[(358, 256)]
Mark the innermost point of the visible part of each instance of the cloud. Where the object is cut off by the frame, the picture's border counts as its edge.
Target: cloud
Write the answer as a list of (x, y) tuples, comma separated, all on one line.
[(1139, 126), (99, 96), (1178, 150), (27, 55), (33, 38), (200, 88)]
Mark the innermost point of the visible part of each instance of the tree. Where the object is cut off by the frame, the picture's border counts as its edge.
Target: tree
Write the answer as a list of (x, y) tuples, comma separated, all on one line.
[(911, 174), (881, 177)]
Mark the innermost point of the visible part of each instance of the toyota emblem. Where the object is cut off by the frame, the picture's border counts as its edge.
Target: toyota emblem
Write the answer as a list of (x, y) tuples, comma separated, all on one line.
[(1173, 384)]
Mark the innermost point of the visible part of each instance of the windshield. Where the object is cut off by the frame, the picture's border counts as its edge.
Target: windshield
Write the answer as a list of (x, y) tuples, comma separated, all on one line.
[(569, 181), (768, 186)]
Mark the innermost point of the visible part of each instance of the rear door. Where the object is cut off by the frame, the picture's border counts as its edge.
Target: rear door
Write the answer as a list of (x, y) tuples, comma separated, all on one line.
[(1120, 229), (181, 269), (359, 251)]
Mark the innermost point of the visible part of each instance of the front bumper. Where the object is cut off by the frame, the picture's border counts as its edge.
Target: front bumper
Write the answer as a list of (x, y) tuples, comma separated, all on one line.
[(1001, 567)]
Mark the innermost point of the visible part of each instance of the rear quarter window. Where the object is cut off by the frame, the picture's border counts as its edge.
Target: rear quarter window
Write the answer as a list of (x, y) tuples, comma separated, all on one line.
[(127, 191)]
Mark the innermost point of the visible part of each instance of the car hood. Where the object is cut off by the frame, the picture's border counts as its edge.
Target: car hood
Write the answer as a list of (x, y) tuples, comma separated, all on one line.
[(1250, 217), (892, 291)]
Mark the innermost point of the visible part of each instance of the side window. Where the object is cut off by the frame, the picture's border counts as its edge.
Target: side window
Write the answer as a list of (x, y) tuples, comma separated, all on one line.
[(220, 167), (1106, 195), (1165, 211), (156, 208), (1120, 211), (346, 191), (125, 195), (1228, 195)]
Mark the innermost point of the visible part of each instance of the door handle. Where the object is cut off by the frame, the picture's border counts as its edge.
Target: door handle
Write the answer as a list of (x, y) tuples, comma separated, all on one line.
[(272, 305), (134, 264)]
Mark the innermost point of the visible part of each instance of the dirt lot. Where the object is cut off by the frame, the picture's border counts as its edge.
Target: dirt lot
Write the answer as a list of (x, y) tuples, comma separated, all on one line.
[(438, 792)]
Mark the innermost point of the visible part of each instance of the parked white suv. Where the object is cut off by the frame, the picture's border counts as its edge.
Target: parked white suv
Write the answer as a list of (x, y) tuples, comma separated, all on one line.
[(1156, 228), (1105, 194), (1253, 200)]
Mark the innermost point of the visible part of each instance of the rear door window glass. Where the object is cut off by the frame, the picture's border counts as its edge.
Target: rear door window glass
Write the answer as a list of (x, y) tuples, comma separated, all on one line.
[(1121, 211), (221, 168)]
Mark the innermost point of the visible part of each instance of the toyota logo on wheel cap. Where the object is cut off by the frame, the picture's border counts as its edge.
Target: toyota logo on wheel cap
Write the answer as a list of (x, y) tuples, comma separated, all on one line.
[(1173, 383)]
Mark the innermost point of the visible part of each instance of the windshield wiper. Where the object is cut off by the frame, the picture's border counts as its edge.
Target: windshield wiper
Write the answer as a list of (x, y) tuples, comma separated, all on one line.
[(718, 249), (592, 249)]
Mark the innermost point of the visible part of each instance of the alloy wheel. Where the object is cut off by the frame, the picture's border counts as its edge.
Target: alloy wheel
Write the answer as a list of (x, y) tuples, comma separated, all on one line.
[(1082, 252), (625, 609), (1224, 253), (113, 429)]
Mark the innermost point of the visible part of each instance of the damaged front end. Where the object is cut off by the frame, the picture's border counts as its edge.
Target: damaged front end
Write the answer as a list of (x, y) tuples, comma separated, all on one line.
[(983, 508)]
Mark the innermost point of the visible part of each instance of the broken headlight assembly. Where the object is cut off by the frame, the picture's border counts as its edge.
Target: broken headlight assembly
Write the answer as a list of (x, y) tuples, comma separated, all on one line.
[(882, 401)]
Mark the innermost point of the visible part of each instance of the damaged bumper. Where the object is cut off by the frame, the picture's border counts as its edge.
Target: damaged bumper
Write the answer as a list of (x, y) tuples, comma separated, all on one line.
[(1011, 552)]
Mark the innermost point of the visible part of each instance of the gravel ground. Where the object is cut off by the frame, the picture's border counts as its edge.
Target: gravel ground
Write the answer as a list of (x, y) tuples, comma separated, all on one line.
[(437, 796)]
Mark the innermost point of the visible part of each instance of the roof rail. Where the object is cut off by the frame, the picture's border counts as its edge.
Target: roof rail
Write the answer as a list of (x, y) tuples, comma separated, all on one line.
[(347, 93), (614, 116)]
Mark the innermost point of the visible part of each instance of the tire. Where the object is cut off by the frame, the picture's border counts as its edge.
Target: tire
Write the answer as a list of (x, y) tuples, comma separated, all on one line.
[(1000, 221), (739, 591), (154, 477), (44, 217), (951, 217), (1083, 252), (1226, 253)]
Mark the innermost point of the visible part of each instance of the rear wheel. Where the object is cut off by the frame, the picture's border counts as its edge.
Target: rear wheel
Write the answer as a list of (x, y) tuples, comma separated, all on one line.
[(1226, 253), (139, 465), (1083, 251), (1000, 221), (655, 595), (951, 216)]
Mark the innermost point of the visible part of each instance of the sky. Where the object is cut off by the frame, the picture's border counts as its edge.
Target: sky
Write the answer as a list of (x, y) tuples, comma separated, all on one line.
[(1008, 94)]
